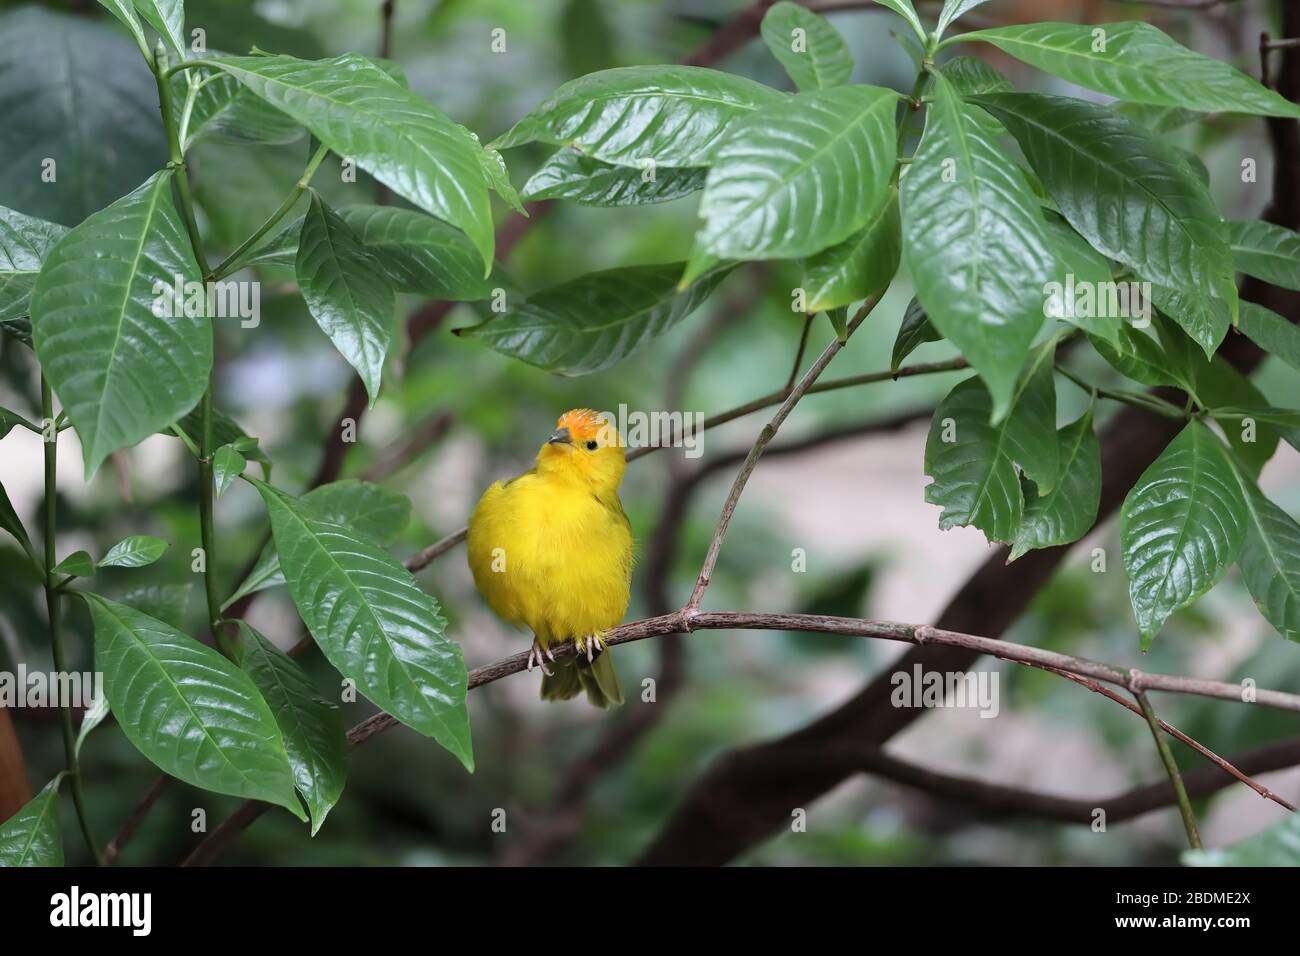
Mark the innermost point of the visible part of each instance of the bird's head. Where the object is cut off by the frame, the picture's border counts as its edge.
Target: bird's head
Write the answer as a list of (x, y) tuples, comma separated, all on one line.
[(584, 446)]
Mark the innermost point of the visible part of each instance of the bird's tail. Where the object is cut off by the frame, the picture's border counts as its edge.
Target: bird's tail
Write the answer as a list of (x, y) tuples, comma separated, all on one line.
[(572, 675)]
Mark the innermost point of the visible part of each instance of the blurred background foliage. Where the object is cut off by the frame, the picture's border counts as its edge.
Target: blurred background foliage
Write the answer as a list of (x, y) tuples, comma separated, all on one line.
[(854, 507)]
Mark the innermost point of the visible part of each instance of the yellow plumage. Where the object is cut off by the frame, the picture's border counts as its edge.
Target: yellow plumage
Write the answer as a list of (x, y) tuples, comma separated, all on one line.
[(551, 550)]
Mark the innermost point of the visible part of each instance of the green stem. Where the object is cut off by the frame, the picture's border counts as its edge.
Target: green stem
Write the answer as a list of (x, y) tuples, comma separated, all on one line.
[(231, 262), (54, 610), (911, 107), (1171, 768), (207, 494), (1148, 403)]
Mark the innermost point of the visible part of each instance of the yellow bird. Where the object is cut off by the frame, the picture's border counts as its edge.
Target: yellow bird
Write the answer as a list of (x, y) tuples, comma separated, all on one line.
[(551, 550)]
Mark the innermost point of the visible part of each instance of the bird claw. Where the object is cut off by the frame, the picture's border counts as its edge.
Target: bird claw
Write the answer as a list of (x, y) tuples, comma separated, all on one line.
[(535, 657), (590, 646)]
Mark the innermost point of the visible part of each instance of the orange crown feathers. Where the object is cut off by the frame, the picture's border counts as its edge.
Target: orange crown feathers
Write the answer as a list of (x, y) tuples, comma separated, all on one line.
[(584, 424)]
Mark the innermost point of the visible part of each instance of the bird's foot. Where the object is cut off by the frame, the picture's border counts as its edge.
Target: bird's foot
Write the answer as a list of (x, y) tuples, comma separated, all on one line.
[(590, 646), (535, 654)]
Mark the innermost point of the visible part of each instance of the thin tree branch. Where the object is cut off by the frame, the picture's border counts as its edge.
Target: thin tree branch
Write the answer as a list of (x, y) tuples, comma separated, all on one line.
[(1171, 766)]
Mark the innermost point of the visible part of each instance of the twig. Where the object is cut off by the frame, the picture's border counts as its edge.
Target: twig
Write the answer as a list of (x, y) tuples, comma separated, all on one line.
[(1171, 766), (798, 355), (764, 437), (681, 621), (138, 813)]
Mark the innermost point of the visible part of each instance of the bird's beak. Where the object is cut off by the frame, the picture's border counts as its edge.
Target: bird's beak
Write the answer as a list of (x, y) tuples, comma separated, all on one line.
[(560, 436)]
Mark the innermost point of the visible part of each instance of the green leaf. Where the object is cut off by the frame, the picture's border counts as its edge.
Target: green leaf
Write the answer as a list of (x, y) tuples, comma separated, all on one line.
[(858, 267), (1274, 334), (915, 330), (189, 710), (1286, 417), (312, 727), (589, 182), (168, 18), (1124, 191), (1278, 845), (1266, 251), (1181, 526), (1136, 62), (225, 431), (121, 371), (227, 465), (952, 9), (970, 76), (973, 462), (1138, 356), (346, 292), (9, 522), (673, 115), (1219, 384), (811, 50), (419, 254), (905, 10), (78, 564), (839, 319), (9, 420), (92, 717), (594, 321), (75, 93), (1068, 511), (24, 243), (373, 622), (1270, 559), (136, 551), (226, 112), (167, 602), (1084, 281), (33, 835), (1206, 322), (366, 508), (798, 176), (1158, 119), (975, 244), (359, 111), (494, 169)]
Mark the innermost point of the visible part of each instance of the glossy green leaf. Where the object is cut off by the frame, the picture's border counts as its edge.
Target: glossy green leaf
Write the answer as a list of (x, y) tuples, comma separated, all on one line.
[(366, 508), (1278, 845), (1274, 334), (915, 330), (858, 267), (811, 50), (1218, 384), (952, 9), (121, 371), (970, 76), (225, 111), (798, 176), (359, 111), (373, 622), (1135, 61), (1067, 512), (1125, 192), (346, 292), (1158, 119), (225, 431), (78, 564), (9, 420), (167, 602), (1085, 295), (24, 243), (594, 321), (1270, 558), (973, 462), (493, 165), (839, 320), (168, 18), (1181, 526), (589, 182), (975, 244), (189, 710), (1206, 322), (1266, 251), (92, 717), (905, 9), (419, 254), (672, 115), (312, 726), (10, 522), (227, 465), (136, 551), (1140, 357), (75, 92), (33, 836)]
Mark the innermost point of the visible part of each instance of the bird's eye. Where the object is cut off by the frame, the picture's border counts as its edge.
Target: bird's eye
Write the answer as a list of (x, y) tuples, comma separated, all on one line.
[(591, 446)]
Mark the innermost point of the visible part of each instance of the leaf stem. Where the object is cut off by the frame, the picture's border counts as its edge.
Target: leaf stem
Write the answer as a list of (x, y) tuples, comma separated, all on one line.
[(1149, 403), (232, 261), (54, 610), (1171, 768)]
